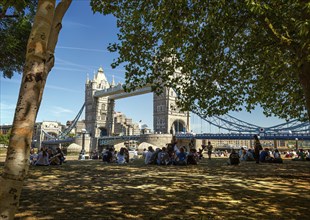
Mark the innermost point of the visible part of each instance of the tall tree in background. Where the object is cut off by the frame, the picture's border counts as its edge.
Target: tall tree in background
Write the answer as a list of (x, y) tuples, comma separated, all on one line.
[(16, 19), (39, 62), (231, 54)]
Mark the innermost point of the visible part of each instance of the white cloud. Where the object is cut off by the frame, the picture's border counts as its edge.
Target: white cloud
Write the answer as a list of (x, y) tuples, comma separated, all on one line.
[(61, 88), (75, 24), (82, 49), (69, 69), (57, 110)]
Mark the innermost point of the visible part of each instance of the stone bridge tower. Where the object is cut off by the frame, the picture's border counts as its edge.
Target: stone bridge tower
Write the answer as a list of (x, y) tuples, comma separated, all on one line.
[(167, 117), (97, 109)]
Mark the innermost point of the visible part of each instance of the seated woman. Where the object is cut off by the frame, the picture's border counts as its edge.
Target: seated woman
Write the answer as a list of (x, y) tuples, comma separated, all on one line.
[(277, 157), (121, 156), (265, 156), (33, 157), (53, 158), (234, 158), (148, 155), (163, 157), (192, 157), (42, 158), (181, 157), (249, 155)]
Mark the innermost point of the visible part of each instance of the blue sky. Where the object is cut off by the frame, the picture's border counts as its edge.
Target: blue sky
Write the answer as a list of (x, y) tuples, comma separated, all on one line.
[(81, 50)]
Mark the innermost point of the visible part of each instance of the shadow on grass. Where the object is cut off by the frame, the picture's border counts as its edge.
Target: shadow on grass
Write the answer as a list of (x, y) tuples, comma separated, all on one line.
[(211, 190)]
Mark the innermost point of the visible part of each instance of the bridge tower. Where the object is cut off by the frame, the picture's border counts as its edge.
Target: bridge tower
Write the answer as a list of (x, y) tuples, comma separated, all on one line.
[(167, 117), (97, 110)]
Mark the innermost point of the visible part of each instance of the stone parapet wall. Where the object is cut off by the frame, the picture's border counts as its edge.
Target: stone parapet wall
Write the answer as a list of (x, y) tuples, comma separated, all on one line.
[(158, 140)]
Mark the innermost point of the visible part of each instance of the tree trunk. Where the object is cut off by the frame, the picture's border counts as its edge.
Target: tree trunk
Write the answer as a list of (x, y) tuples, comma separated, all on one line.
[(304, 79), (39, 62)]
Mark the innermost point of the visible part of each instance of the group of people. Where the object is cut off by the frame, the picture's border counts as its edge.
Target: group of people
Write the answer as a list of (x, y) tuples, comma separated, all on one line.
[(47, 156), (301, 155), (259, 154), (171, 155), (112, 156)]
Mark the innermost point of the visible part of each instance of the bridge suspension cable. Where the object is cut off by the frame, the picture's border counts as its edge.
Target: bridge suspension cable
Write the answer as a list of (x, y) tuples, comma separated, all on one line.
[(73, 124), (232, 124)]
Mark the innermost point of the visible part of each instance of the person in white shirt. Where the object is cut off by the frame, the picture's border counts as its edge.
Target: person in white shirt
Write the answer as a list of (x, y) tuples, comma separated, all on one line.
[(42, 158), (148, 155), (121, 156)]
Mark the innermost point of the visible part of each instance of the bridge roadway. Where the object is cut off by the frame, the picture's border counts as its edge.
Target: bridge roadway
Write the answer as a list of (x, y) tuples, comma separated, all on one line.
[(117, 92), (210, 136)]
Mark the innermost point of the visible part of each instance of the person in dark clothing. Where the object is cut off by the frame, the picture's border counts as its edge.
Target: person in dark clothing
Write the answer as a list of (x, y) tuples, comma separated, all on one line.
[(257, 148), (234, 158), (60, 155), (108, 156)]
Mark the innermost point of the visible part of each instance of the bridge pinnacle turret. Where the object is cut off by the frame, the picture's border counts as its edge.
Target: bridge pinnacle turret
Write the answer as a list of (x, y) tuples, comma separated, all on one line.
[(87, 78), (113, 82), (100, 70)]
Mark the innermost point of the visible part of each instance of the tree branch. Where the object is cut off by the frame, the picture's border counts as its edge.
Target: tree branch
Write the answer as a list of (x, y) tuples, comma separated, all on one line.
[(38, 39), (60, 11), (279, 36)]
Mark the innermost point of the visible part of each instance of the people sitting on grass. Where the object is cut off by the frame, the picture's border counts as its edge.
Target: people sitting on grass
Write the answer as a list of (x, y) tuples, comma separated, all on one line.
[(192, 157), (172, 157), (95, 155), (148, 155), (242, 153), (265, 157), (60, 154), (33, 156), (126, 152), (52, 157), (42, 158), (121, 156), (163, 157), (277, 156), (308, 155), (181, 157), (301, 156), (108, 156), (249, 155), (234, 158), (200, 151), (153, 159)]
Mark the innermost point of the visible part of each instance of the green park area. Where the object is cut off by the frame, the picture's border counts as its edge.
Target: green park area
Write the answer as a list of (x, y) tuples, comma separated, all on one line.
[(91, 189)]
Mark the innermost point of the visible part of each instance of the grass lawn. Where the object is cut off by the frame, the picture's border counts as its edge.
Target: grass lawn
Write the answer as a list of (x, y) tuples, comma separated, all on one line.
[(211, 190)]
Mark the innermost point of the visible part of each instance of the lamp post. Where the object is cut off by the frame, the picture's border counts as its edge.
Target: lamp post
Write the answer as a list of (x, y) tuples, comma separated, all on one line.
[(296, 144), (82, 154), (83, 140)]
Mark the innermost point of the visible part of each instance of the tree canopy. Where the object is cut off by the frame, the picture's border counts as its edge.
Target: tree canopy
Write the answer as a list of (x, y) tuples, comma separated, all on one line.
[(230, 54), (16, 19)]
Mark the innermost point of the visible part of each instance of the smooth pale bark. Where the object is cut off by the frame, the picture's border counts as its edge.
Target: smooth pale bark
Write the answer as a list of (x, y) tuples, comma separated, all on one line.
[(39, 62)]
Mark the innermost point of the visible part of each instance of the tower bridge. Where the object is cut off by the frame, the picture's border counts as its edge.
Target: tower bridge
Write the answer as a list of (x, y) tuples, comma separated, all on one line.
[(168, 120), (100, 96), (100, 99)]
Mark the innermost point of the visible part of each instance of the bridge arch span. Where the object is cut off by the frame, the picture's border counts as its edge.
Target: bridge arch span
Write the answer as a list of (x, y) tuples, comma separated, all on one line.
[(178, 125)]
